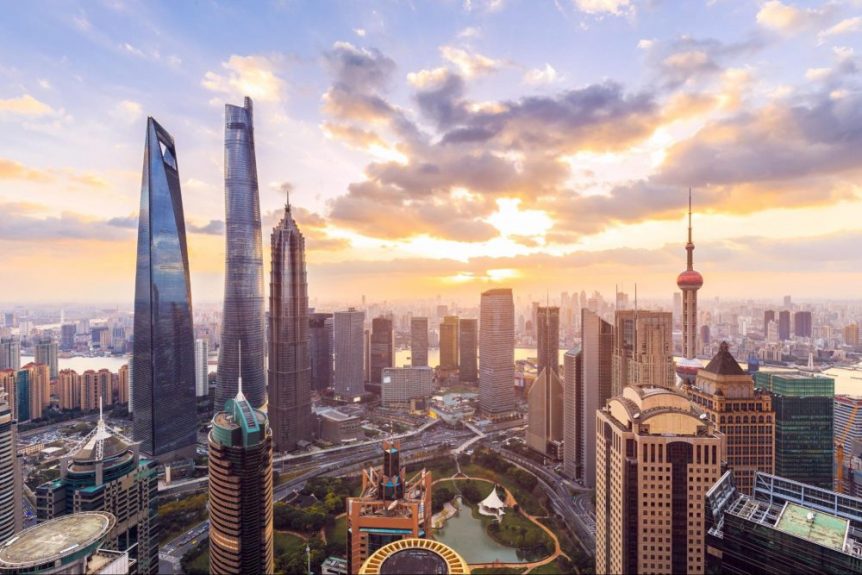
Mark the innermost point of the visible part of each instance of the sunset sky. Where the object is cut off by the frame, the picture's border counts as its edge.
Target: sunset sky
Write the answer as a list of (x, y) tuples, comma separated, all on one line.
[(445, 147)]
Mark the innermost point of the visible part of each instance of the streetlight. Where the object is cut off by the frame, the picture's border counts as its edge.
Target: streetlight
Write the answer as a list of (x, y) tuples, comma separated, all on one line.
[(308, 558)]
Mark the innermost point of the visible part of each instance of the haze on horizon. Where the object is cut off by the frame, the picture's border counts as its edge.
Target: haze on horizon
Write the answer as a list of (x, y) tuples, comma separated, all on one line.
[(448, 147)]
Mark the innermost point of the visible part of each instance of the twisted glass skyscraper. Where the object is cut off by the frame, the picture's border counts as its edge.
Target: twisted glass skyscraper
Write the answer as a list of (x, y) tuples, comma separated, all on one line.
[(163, 356), (243, 283)]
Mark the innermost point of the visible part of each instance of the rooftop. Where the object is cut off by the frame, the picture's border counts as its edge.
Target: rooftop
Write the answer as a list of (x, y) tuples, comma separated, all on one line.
[(56, 539), (815, 526), (724, 363)]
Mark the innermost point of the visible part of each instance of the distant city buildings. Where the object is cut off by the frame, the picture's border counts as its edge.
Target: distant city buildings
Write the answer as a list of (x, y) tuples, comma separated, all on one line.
[(802, 324), (10, 353), (784, 325), (320, 350), (46, 353), (243, 316), (382, 350), (643, 350), (497, 351), (163, 356), (289, 366), (349, 353), (419, 341), (449, 343), (468, 346)]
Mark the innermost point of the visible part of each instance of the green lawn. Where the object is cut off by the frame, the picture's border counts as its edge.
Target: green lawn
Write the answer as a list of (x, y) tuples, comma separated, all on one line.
[(550, 569), (287, 543), (337, 534)]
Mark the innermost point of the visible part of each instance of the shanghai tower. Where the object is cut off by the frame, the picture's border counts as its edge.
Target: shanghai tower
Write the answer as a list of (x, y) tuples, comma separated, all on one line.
[(243, 283), (163, 356), (289, 368)]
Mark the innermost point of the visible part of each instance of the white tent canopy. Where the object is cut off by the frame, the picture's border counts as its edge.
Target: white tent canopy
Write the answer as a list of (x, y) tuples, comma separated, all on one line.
[(492, 505)]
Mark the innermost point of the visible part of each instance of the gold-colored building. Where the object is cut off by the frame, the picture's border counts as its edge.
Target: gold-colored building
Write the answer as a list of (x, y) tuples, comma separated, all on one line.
[(656, 457), (415, 556), (643, 349), (449, 342), (389, 508), (123, 384), (744, 415)]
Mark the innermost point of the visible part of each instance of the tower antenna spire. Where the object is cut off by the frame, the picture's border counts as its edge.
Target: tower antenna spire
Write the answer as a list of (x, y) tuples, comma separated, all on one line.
[(239, 395)]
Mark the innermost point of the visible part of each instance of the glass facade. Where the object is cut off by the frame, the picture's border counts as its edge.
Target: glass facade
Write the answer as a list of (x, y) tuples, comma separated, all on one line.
[(163, 355), (243, 318), (803, 425)]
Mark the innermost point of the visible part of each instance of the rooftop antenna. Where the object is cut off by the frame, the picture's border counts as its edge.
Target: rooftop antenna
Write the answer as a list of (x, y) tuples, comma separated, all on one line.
[(689, 247), (239, 395)]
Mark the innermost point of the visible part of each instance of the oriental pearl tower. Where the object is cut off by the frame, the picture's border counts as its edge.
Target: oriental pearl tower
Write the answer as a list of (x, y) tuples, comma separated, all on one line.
[(689, 281)]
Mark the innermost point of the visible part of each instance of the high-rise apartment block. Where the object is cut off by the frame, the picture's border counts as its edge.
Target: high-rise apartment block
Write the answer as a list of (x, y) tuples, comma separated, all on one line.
[(468, 346), (163, 355), (657, 456), (243, 317), (726, 393), (643, 350), (449, 343), (400, 385), (289, 368), (852, 335), (768, 316), (240, 489), (419, 341), (382, 347), (32, 391), (202, 370), (349, 353), (46, 353), (497, 352), (804, 405), (390, 507), (105, 472)]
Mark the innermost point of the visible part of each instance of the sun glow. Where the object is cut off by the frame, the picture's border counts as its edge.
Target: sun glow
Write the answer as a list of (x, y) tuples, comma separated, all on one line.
[(510, 220)]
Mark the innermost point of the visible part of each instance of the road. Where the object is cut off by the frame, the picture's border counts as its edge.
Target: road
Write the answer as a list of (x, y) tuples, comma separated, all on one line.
[(336, 462)]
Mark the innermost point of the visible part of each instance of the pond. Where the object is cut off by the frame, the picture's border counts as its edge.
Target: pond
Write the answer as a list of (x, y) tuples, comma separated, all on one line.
[(465, 534)]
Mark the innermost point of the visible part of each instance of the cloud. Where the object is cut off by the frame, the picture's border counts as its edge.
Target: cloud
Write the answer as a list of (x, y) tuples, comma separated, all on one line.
[(360, 32), (687, 61), (253, 76), (214, 227), (352, 136), (776, 15), (127, 111), (128, 222), (541, 76), (470, 64), (360, 70), (25, 105), (845, 26), (12, 170), (22, 225), (601, 7)]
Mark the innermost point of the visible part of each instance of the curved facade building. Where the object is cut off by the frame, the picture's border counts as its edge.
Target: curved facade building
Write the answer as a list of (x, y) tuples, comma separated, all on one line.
[(11, 519), (289, 370), (415, 556), (240, 490), (163, 356), (243, 283)]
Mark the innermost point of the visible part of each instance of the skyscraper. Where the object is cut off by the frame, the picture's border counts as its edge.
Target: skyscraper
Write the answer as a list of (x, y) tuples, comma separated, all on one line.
[(449, 342), (545, 398), (419, 341), (784, 325), (289, 369), (320, 350), (46, 353), (105, 472), (726, 393), (595, 385), (847, 426), (689, 281), (67, 336), (548, 339), (163, 355), (202, 372), (349, 338), (382, 352), (768, 316), (468, 346), (656, 457), (10, 353), (643, 349), (240, 489), (497, 352), (573, 443), (32, 391), (802, 324), (243, 318), (11, 485)]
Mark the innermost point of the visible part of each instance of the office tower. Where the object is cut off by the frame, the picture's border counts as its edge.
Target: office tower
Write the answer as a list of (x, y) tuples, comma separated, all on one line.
[(243, 317), (689, 281), (11, 484), (67, 336), (851, 335), (677, 309), (413, 555), (202, 352), (573, 408), (10, 353), (595, 385), (123, 384), (390, 507), (468, 347), (803, 404), (382, 347), (785, 527), (419, 341), (105, 472), (545, 414), (802, 324), (349, 353), (163, 354), (643, 350), (656, 457), (847, 425), (497, 350), (548, 339), (240, 489), (400, 385), (768, 316), (742, 413), (70, 544), (289, 368), (320, 350), (8, 382), (32, 391), (784, 325), (449, 342)]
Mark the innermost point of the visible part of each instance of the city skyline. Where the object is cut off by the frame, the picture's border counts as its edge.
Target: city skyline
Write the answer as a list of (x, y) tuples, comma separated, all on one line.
[(600, 191)]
